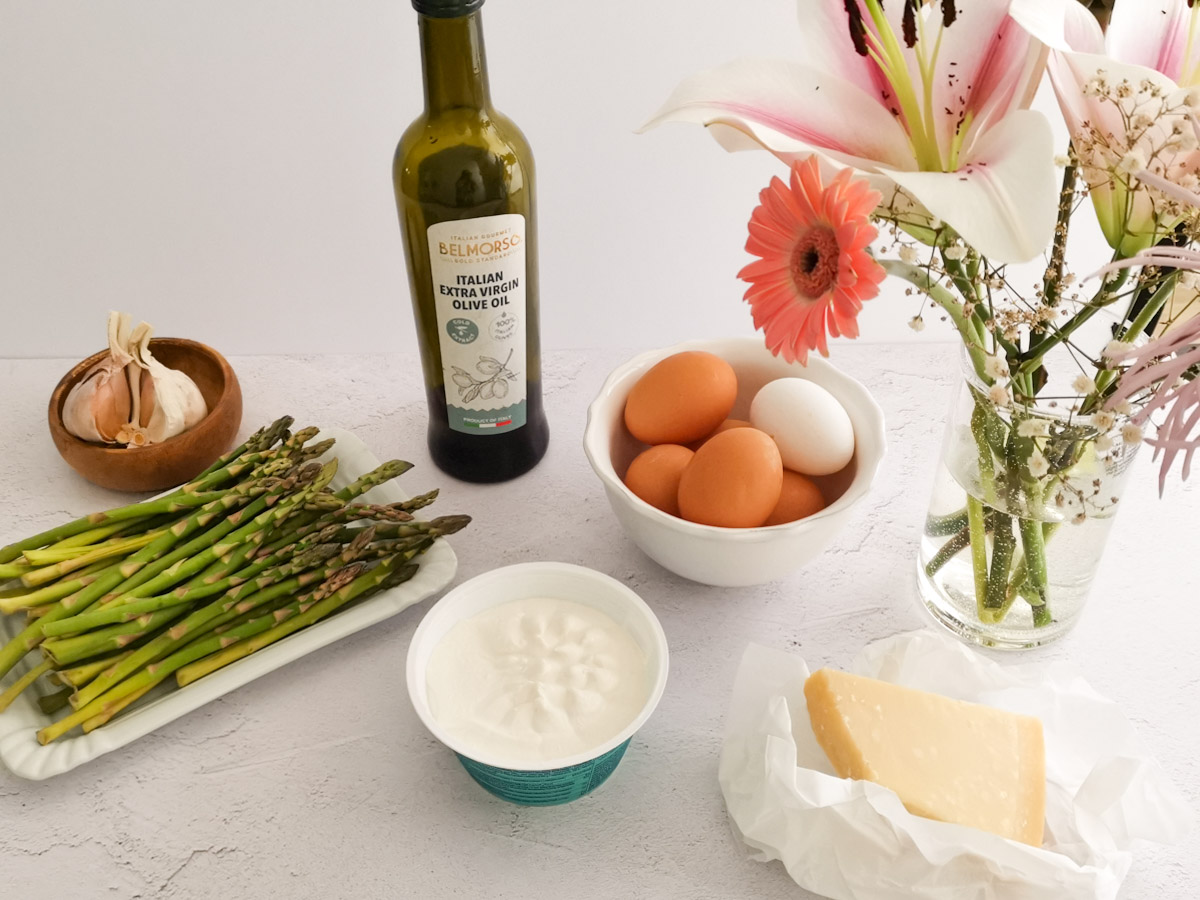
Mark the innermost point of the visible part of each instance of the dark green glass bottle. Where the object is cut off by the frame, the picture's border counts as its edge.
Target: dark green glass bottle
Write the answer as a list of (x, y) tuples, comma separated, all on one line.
[(463, 175)]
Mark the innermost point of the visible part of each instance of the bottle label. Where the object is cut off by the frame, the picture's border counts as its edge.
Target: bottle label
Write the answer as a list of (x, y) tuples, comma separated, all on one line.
[(478, 268)]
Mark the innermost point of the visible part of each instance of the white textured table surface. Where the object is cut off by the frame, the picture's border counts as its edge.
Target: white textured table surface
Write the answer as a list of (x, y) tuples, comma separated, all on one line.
[(319, 781)]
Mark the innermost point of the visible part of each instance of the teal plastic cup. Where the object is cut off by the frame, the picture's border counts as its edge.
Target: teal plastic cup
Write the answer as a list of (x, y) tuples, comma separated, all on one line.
[(555, 781)]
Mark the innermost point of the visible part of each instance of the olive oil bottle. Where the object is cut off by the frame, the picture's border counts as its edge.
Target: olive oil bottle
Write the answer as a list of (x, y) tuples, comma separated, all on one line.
[(463, 175)]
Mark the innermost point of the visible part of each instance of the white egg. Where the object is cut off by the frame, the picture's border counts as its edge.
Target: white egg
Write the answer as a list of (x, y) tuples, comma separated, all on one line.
[(811, 428)]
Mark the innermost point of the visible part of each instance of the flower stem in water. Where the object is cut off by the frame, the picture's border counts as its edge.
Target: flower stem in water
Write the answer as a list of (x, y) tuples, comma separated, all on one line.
[(979, 561)]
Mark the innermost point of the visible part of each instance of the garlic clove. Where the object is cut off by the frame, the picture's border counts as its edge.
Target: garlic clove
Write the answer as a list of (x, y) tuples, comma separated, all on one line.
[(176, 404), (110, 404), (99, 405)]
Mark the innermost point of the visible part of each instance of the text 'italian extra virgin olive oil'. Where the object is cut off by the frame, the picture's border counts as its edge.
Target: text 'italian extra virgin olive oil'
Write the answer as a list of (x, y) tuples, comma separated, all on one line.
[(464, 189)]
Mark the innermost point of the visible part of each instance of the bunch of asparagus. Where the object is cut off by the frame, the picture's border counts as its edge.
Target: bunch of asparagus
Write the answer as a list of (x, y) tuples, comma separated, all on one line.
[(253, 549)]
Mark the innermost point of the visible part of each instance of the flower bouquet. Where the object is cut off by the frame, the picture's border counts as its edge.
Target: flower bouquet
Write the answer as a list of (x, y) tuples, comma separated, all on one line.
[(913, 153)]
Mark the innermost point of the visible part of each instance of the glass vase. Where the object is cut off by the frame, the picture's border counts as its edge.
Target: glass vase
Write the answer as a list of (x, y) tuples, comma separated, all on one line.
[(1022, 504)]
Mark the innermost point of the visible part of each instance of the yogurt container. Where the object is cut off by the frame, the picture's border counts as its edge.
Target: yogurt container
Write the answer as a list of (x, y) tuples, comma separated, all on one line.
[(551, 781)]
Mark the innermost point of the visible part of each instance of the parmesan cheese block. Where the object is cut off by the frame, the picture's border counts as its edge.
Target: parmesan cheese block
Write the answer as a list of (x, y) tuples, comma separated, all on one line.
[(946, 759)]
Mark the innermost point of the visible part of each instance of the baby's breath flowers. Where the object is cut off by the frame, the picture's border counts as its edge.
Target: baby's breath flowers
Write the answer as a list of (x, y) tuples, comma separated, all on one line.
[(1038, 467), (996, 367), (1033, 428), (1131, 434)]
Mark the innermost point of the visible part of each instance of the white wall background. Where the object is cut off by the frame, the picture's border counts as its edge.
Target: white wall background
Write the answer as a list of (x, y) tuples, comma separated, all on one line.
[(222, 169)]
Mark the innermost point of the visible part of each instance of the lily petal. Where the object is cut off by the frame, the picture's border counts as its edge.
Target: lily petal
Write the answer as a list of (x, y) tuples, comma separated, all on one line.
[(1003, 200), (1060, 24), (767, 98), (983, 67), (825, 45), (1151, 33)]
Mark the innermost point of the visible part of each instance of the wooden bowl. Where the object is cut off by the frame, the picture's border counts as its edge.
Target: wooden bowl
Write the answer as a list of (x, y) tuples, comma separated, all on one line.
[(176, 460)]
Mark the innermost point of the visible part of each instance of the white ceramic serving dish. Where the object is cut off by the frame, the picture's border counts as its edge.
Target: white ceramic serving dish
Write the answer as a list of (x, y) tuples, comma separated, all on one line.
[(732, 557), (25, 757), (557, 780)]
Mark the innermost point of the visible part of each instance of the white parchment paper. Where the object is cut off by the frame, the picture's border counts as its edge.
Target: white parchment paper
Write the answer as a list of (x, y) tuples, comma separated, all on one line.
[(854, 840)]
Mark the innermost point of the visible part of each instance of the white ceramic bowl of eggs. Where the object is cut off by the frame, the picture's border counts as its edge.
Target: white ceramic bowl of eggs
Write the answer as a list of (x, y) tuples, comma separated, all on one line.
[(734, 557)]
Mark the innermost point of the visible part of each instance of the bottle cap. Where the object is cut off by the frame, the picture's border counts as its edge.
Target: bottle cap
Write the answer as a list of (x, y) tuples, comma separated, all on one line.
[(446, 9)]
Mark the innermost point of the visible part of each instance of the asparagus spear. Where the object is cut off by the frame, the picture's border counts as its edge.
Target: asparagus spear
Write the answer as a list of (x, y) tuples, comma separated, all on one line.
[(263, 439), (65, 651), (122, 548), (80, 675), (164, 505), (52, 703), (57, 554), (252, 532), (131, 610), (95, 535), (192, 565), (380, 578), (377, 476), (138, 568), (156, 672), (257, 565), (28, 599), (23, 682), (442, 525), (96, 721)]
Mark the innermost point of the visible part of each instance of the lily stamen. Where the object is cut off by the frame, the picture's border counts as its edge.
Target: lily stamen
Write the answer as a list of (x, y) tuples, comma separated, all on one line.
[(917, 116)]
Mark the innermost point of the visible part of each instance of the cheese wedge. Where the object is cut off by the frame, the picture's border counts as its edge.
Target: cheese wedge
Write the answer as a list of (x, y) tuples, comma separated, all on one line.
[(946, 759)]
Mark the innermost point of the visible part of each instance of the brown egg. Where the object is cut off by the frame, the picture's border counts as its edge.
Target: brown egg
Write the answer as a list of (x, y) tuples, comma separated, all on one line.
[(724, 426), (654, 475), (681, 399), (733, 481), (800, 497)]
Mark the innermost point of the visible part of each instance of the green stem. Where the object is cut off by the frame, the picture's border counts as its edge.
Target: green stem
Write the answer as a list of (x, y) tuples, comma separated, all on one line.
[(1033, 542), (1004, 543), (987, 464), (955, 545), (944, 526), (923, 281), (979, 561), (1033, 356), (1143, 319)]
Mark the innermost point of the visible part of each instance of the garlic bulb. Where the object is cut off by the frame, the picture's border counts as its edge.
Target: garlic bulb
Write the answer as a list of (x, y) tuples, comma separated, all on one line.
[(129, 397), (99, 406)]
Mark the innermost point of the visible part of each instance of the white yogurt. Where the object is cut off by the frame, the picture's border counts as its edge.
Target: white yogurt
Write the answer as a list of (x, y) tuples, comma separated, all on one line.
[(535, 680)]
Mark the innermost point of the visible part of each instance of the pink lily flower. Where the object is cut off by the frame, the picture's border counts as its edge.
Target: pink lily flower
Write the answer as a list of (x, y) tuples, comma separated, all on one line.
[(928, 98), (1126, 98)]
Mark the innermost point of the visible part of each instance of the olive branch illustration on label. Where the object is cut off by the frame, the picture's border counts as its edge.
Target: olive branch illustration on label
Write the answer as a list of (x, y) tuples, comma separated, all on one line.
[(492, 386)]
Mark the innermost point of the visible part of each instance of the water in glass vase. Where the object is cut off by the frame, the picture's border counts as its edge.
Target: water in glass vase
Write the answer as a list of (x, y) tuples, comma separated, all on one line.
[(947, 580), (1023, 501)]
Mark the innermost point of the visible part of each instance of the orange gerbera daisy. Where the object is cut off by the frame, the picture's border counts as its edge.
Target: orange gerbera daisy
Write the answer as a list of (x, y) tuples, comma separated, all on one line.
[(813, 271)]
